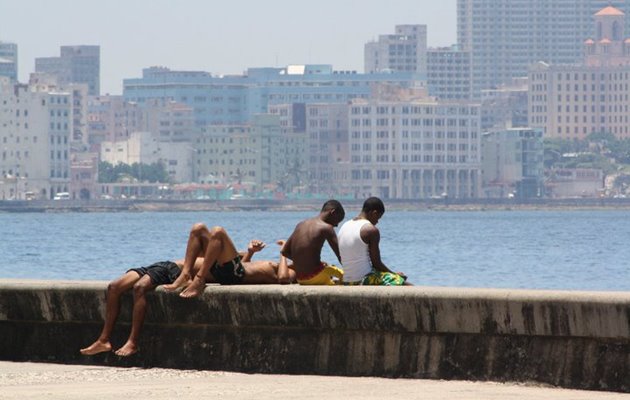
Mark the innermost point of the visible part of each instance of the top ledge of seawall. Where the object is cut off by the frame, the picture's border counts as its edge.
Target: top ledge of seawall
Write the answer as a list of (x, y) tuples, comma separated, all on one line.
[(565, 338), (397, 309)]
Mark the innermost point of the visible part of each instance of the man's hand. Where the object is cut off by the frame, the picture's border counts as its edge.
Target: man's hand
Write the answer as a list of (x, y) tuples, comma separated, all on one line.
[(255, 246)]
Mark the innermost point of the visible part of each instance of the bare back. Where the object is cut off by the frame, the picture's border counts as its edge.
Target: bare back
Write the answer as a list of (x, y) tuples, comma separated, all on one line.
[(304, 246)]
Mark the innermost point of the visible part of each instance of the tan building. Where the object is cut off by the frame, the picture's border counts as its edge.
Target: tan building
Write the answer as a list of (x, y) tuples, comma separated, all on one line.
[(573, 101)]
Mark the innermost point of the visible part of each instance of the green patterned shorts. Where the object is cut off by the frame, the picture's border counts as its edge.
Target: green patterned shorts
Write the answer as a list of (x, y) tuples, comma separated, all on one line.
[(377, 278)]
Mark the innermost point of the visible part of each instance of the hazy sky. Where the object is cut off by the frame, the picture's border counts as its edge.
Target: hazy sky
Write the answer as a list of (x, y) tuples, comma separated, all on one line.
[(222, 37)]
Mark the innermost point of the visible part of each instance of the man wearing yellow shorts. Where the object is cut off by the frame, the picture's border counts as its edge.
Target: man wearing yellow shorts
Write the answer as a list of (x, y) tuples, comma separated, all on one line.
[(359, 249), (304, 246)]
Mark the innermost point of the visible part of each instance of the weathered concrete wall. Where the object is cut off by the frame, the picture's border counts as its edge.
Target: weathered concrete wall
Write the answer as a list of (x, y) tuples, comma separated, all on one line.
[(569, 339)]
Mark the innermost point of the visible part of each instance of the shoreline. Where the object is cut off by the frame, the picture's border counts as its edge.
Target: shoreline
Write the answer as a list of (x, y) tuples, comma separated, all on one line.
[(150, 205)]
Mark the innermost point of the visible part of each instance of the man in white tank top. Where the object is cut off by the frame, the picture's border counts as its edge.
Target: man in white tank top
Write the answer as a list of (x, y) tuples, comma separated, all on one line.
[(359, 249)]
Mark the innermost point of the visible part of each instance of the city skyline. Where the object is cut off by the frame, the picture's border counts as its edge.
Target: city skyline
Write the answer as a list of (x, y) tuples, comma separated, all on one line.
[(137, 35)]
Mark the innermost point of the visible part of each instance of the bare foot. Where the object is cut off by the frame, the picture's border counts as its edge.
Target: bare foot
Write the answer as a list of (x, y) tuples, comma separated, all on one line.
[(96, 347), (195, 289), (182, 280), (128, 349)]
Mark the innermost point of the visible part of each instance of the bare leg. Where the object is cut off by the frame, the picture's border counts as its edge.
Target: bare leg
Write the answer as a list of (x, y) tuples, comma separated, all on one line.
[(114, 290), (140, 289), (194, 248), (217, 247)]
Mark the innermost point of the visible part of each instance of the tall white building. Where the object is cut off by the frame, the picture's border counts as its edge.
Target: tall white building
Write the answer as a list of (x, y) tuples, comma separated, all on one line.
[(504, 37), (35, 137), (403, 51), (9, 60), (414, 148)]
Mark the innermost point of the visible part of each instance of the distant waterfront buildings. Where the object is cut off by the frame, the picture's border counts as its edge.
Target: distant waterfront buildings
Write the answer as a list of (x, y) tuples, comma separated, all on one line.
[(403, 51), (9, 60), (76, 64), (571, 101), (234, 99), (505, 37), (112, 119)]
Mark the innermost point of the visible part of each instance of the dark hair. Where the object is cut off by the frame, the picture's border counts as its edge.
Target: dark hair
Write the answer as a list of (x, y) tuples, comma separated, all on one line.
[(373, 204), (333, 205)]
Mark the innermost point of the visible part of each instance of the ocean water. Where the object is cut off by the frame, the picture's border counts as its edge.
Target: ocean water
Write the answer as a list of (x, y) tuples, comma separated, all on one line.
[(569, 250)]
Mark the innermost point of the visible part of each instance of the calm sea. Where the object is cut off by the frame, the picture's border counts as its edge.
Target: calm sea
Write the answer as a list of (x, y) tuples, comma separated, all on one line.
[(575, 250)]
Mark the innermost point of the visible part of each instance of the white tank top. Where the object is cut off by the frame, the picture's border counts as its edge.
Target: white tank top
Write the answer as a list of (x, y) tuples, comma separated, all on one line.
[(354, 252)]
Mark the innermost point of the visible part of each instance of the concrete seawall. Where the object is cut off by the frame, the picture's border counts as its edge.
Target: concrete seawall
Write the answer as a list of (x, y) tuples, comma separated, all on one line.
[(569, 339)]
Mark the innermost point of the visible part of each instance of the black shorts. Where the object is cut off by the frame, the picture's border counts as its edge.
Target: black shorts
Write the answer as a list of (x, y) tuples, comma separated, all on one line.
[(161, 273), (230, 273)]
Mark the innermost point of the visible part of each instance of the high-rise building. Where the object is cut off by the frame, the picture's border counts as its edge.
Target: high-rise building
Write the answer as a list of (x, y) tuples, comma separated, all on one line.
[(504, 37), (448, 73), (403, 51), (76, 64), (9, 60), (573, 101)]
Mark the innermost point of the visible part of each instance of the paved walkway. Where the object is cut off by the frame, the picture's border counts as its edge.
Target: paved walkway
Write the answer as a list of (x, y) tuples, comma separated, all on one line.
[(67, 382)]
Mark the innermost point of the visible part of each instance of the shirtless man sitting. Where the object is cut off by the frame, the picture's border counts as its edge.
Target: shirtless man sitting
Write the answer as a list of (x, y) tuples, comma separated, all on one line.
[(305, 244), (145, 279)]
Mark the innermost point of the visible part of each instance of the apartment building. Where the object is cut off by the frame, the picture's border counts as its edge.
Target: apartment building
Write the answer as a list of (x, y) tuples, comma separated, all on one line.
[(449, 73), (408, 147), (403, 51), (35, 138)]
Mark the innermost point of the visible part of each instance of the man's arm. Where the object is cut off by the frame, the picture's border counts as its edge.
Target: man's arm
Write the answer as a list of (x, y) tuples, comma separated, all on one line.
[(254, 246), (373, 238), (331, 238), (285, 251)]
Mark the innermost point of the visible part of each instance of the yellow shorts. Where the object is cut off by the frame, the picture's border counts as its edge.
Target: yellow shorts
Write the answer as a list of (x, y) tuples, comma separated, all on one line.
[(323, 277)]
